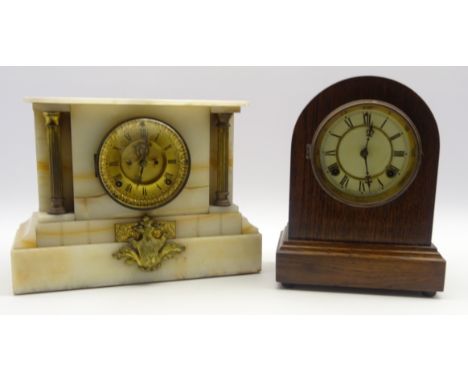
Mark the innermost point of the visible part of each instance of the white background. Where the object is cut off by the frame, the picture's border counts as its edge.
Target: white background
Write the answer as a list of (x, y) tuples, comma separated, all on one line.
[(263, 133), (426, 338)]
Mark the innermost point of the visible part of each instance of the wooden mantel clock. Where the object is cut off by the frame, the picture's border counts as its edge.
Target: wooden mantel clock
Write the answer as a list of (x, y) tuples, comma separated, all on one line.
[(364, 161), (132, 191)]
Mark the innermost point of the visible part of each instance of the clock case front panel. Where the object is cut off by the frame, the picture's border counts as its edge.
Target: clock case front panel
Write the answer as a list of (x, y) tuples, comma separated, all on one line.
[(330, 243), (406, 220), (91, 123)]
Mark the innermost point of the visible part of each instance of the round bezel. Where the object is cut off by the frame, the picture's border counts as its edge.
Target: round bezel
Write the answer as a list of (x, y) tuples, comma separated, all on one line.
[(364, 200), (167, 194)]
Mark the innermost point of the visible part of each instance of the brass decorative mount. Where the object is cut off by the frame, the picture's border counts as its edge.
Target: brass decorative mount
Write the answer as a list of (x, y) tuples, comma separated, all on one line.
[(147, 243)]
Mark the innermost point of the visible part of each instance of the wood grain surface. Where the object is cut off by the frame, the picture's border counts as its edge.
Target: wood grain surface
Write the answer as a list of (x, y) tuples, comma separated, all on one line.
[(373, 266), (407, 220)]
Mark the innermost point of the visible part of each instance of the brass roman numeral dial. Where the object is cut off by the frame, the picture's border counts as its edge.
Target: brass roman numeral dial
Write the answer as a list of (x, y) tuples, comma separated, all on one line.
[(366, 153), (143, 163)]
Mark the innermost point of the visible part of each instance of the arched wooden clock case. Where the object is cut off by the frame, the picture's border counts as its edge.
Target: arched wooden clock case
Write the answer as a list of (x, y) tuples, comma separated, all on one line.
[(330, 243)]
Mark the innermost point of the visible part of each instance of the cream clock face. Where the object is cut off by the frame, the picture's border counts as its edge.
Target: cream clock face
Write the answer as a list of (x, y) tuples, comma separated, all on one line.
[(366, 153), (143, 163)]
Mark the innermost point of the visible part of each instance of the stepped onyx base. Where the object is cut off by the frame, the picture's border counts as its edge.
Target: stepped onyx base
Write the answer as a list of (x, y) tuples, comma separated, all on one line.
[(44, 269)]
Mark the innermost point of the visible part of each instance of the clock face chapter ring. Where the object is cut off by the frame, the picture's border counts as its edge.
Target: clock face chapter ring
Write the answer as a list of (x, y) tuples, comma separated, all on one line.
[(365, 153), (143, 163)]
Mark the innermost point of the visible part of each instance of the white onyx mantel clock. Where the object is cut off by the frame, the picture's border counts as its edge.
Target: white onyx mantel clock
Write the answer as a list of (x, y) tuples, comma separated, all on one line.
[(132, 191)]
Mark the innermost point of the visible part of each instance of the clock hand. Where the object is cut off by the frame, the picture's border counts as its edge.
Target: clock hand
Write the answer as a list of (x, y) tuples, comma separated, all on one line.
[(142, 168), (367, 167), (368, 178), (144, 157), (370, 131), (369, 134), (364, 154)]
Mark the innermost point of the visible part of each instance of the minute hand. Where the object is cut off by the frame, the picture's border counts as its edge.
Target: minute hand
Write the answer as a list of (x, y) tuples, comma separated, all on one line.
[(144, 158), (142, 167), (370, 131), (365, 154)]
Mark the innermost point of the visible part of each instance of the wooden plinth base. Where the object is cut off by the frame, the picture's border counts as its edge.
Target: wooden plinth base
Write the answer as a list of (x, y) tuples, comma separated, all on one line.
[(376, 266)]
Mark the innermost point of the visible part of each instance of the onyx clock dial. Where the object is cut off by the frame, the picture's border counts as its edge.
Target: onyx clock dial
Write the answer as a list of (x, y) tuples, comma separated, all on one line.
[(143, 163), (366, 153)]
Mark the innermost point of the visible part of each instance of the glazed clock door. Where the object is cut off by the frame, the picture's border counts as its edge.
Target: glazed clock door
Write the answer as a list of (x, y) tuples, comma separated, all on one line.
[(366, 153)]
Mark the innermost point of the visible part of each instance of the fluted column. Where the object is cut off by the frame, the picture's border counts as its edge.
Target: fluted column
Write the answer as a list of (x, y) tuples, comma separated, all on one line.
[(52, 123), (222, 184)]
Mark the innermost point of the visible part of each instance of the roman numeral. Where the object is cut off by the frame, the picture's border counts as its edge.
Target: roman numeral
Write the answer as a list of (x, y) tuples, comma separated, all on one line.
[(167, 147), (368, 182), (128, 188), (367, 117), (128, 136), (381, 184), (399, 153), (330, 152), (172, 161), (384, 122), (349, 122), (116, 148), (344, 181), (144, 191), (398, 135), (156, 137), (362, 186), (114, 163), (143, 132)]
